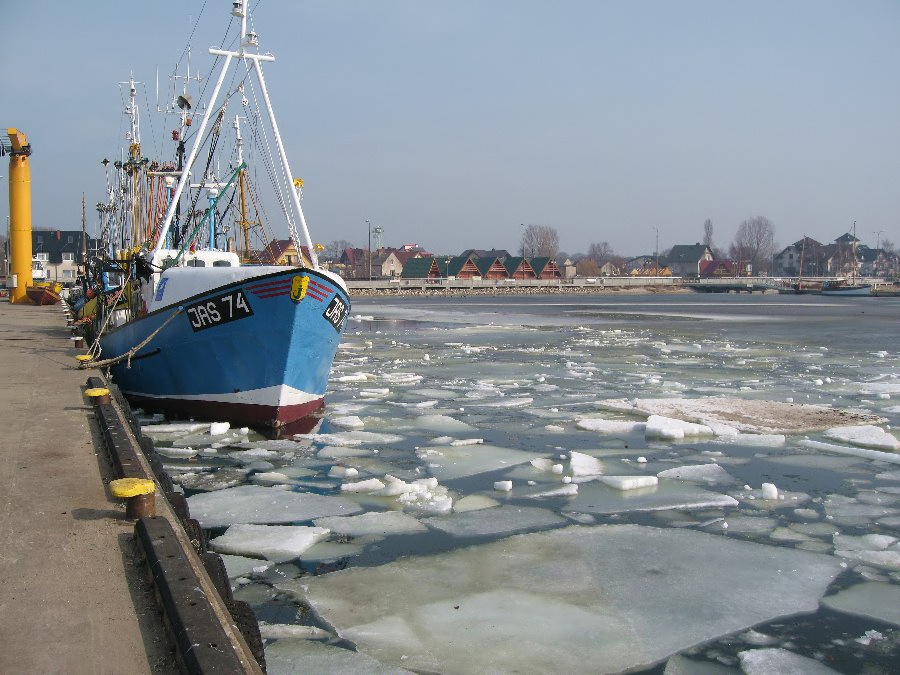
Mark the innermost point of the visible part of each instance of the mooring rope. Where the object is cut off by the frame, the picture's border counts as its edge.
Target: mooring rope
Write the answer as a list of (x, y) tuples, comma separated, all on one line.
[(131, 352), (94, 349)]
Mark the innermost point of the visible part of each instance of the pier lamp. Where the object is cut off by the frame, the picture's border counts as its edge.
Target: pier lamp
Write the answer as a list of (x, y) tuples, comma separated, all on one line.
[(369, 225)]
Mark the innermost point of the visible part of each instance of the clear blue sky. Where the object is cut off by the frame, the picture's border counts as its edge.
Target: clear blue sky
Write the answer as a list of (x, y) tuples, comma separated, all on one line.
[(451, 124)]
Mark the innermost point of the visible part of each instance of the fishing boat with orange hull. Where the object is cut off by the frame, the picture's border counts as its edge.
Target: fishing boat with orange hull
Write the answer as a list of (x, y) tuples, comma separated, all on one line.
[(44, 293)]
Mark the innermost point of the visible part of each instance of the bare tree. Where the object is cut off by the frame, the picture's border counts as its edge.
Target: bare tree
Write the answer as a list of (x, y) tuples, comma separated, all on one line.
[(754, 243), (708, 233), (887, 246), (587, 268), (336, 248), (600, 252), (540, 241)]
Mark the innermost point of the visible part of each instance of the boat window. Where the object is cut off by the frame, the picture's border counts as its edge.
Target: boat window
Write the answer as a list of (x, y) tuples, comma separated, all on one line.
[(196, 263), (221, 263)]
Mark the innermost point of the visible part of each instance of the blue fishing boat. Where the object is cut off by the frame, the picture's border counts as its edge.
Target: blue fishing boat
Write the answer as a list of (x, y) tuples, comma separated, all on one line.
[(254, 347), (183, 324)]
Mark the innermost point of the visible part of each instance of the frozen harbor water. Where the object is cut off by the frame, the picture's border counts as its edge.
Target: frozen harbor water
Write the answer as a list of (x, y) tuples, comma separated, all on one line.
[(584, 484)]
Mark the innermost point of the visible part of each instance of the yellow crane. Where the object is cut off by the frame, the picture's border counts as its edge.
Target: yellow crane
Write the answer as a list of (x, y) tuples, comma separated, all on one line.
[(19, 215)]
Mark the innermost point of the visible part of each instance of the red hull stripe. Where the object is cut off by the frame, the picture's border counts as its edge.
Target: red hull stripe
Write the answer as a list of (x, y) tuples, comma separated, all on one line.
[(320, 286), (275, 282), (270, 290), (236, 413)]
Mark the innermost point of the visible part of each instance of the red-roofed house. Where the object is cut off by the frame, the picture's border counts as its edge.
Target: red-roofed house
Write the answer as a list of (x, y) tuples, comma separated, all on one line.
[(283, 252)]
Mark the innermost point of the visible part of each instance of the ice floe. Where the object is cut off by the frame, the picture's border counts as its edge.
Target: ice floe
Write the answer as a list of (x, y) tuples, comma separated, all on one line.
[(474, 503), (442, 424), (879, 455), (610, 426), (701, 473), (777, 660), (773, 417), (614, 601), (665, 428), (449, 462), (240, 566), (424, 495), (629, 482), (278, 543), (865, 436), (504, 520), (287, 657), (871, 600), (372, 523), (581, 464), (261, 505), (348, 422)]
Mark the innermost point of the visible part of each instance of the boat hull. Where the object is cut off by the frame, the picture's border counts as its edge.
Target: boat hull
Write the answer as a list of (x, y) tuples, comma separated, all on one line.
[(848, 291), (43, 294), (257, 351)]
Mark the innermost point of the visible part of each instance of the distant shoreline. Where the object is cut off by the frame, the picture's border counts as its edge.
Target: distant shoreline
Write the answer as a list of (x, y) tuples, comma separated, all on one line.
[(520, 290)]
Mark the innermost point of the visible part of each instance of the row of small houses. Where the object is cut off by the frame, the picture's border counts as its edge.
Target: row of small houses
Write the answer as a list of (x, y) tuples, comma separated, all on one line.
[(60, 250), (411, 262), (805, 257)]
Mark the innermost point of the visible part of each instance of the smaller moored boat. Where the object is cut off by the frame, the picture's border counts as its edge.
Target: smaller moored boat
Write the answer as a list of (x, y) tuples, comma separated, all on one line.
[(44, 293), (845, 287)]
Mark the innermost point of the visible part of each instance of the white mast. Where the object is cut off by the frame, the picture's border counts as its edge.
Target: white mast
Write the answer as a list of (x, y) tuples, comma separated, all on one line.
[(249, 39)]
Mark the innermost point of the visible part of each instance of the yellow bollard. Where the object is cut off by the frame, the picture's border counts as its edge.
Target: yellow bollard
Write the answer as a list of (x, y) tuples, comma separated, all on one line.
[(98, 395), (139, 496)]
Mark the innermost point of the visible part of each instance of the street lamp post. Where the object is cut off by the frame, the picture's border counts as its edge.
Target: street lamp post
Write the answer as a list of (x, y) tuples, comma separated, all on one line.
[(369, 225), (523, 240), (656, 250)]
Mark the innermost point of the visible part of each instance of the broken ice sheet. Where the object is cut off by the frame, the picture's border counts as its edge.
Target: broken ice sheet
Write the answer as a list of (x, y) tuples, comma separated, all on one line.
[(504, 520), (213, 480), (700, 473), (892, 457), (240, 566), (610, 596), (442, 424), (372, 523), (871, 600), (257, 504), (595, 497), (777, 660), (449, 462), (278, 543), (865, 436), (287, 657)]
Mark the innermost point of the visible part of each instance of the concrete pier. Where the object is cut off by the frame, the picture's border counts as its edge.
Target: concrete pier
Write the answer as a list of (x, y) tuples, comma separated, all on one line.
[(73, 598)]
